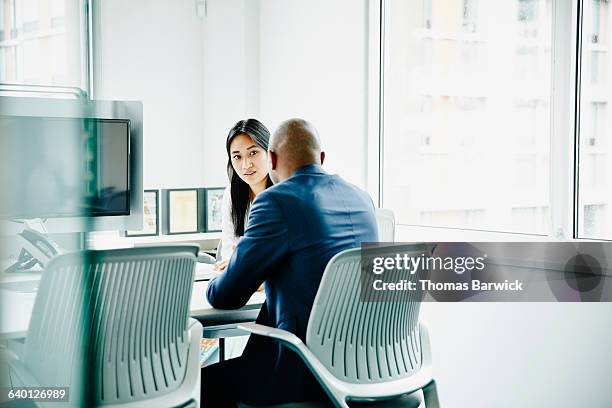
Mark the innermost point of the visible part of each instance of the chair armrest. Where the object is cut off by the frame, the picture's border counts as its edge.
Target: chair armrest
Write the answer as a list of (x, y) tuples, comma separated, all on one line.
[(425, 346), (17, 369), (292, 341), (203, 257), (267, 331), (7, 356), (193, 376), (194, 324)]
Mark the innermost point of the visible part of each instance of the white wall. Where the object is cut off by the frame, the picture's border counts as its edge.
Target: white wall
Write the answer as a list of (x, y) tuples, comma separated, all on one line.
[(231, 77), (278, 59), (152, 51), (521, 354), (314, 66)]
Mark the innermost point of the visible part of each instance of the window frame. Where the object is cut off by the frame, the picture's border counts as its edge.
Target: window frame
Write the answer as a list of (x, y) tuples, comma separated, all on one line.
[(46, 91), (582, 37)]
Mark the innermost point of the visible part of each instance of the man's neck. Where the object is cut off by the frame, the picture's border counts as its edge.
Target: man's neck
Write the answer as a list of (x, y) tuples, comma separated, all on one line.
[(259, 187)]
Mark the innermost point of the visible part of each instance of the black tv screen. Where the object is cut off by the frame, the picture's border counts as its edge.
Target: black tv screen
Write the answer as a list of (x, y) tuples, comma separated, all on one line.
[(64, 167)]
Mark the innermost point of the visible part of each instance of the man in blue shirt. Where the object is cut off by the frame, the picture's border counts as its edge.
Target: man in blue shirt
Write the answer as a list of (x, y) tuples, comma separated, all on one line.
[(295, 227)]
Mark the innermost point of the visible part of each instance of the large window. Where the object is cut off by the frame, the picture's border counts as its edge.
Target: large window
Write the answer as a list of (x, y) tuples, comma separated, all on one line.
[(475, 135), (42, 42), (595, 154), (467, 97)]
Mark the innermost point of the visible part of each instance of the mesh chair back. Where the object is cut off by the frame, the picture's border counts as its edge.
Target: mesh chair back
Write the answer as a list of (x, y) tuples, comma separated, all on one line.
[(116, 319), (386, 225), (369, 339)]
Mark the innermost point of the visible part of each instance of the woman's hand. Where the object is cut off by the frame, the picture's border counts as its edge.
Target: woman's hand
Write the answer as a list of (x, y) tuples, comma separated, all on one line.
[(220, 266)]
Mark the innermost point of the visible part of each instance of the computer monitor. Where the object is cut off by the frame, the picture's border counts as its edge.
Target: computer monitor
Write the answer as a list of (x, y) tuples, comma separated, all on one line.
[(76, 163)]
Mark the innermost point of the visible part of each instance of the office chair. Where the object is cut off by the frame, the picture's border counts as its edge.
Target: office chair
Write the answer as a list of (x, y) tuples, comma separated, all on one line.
[(206, 258), (385, 219), (363, 349), (114, 326)]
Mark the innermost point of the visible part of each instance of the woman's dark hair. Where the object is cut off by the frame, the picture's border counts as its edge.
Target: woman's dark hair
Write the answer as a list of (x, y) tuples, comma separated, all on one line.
[(240, 190)]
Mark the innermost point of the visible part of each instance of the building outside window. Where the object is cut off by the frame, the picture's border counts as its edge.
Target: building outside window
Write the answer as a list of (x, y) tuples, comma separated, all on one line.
[(2, 59), (29, 16), (470, 15), (427, 23), (528, 18), (595, 168), (43, 43), (2, 17), (600, 10), (58, 13), (467, 123)]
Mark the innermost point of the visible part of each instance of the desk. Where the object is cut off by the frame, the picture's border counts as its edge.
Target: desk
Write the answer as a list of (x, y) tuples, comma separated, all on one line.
[(204, 272), (16, 309), (28, 282)]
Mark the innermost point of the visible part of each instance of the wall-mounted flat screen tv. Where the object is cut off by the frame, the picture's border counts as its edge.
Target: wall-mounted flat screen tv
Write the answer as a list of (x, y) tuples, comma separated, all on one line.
[(65, 167)]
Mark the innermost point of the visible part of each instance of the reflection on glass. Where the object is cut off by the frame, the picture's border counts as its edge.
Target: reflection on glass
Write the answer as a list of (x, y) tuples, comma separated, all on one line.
[(41, 42), (595, 167), (64, 167), (467, 113)]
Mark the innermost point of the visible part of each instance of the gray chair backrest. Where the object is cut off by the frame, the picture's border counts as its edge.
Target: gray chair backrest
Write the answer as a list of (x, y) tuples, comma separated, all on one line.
[(116, 319), (369, 339), (385, 220)]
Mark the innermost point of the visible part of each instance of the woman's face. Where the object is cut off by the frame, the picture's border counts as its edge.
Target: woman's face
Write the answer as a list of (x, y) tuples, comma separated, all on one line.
[(248, 159)]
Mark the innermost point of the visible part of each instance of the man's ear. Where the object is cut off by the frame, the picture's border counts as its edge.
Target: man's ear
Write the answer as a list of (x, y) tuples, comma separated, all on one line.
[(322, 157), (273, 159)]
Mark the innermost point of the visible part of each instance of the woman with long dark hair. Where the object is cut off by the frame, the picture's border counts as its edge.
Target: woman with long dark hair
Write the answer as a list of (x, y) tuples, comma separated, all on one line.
[(247, 169)]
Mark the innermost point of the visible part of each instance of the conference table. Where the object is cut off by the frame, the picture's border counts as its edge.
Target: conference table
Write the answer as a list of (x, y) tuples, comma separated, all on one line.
[(18, 293)]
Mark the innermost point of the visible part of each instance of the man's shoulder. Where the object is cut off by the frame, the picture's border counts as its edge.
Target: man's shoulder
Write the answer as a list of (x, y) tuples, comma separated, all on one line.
[(298, 186), (293, 185), (350, 188), (276, 191)]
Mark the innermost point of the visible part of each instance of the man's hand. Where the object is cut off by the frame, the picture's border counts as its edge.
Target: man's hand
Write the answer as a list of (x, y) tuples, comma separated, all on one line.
[(220, 266)]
